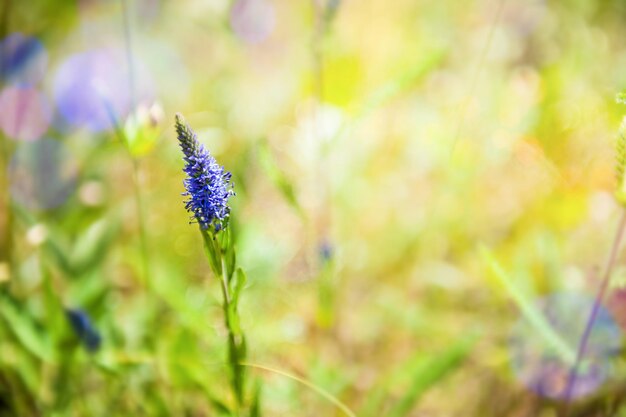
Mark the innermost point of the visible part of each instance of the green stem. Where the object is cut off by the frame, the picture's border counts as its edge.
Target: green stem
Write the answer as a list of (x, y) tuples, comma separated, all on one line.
[(474, 80), (236, 340), (221, 258), (322, 222), (143, 235), (584, 340), (143, 240), (224, 282), (321, 391)]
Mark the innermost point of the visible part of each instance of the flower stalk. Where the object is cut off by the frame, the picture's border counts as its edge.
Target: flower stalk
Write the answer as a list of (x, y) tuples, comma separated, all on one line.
[(620, 196), (222, 259), (208, 189)]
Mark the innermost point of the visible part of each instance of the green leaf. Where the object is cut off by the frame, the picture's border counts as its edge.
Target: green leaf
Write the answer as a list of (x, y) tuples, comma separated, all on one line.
[(212, 251), (219, 406), (375, 100), (198, 376), (90, 248), (173, 292), (530, 312), (238, 350), (233, 319), (326, 295), (401, 83), (26, 369), (58, 253), (90, 290), (431, 371), (279, 179), (229, 254), (255, 403), (238, 286), (55, 313), (52, 246), (30, 337)]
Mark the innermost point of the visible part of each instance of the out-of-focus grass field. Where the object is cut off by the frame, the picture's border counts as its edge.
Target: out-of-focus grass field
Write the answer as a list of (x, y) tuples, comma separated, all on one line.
[(376, 146)]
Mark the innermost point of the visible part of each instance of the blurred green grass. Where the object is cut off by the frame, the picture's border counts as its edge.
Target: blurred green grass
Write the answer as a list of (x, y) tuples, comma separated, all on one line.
[(414, 326)]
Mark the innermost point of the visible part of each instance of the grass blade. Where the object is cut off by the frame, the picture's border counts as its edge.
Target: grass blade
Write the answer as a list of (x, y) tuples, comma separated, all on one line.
[(528, 309), (319, 390), (279, 179), (431, 371), (25, 331)]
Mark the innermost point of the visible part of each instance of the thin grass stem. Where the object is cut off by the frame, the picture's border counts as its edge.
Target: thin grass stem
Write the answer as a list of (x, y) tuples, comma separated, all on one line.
[(321, 391), (234, 340), (475, 76), (584, 340)]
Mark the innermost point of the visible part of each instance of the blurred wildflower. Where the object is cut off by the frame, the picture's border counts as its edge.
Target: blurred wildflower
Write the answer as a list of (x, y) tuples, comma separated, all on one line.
[(208, 185), (252, 21), (37, 234), (91, 193), (25, 113), (332, 6), (326, 250), (142, 129), (84, 329), (23, 60)]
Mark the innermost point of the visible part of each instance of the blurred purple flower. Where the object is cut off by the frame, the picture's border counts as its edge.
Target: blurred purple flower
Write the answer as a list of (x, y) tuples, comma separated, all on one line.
[(252, 20), (92, 90), (23, 60)]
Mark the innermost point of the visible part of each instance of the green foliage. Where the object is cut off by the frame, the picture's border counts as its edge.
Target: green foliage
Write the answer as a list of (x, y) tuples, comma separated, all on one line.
[(385, 325), (430, 371), (33, 339), (529, 309), (279, 179), (220, 251), (423, 372)]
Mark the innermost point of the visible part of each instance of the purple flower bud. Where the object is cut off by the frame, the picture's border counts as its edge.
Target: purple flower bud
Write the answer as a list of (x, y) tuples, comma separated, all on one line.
[(84, 329)]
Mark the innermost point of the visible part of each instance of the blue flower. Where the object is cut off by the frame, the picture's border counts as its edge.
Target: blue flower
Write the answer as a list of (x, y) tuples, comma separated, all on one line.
[(84, 329), (326, 250), (208, 185)]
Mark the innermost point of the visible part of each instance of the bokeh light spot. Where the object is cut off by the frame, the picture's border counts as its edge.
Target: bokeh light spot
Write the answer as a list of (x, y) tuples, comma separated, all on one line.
[(542, 370), (42, 174), (23, 60), (25, 113), (252, 20)]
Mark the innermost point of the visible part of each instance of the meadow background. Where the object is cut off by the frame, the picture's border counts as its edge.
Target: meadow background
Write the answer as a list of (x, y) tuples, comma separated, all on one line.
[(376, 146)]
